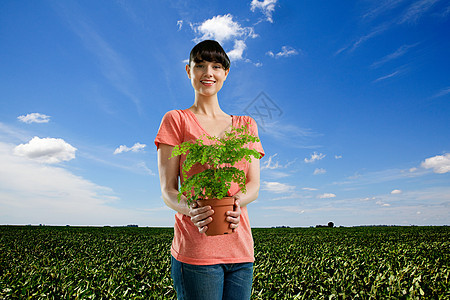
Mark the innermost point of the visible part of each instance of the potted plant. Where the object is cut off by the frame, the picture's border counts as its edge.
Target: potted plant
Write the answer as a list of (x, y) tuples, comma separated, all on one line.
[(210, 187)]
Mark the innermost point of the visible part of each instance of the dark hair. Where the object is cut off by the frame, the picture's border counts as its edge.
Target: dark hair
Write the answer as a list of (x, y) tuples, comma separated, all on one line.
[(211, 51)]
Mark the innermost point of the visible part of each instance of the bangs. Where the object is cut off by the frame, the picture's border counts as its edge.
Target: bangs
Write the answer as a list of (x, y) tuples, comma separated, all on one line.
[(209, 51)]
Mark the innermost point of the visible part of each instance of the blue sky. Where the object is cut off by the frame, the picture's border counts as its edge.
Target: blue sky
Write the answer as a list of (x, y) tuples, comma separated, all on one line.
[(352, 99)]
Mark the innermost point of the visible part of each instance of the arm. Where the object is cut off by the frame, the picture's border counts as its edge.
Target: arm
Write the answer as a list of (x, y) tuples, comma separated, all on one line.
[(168, 177), (252, 185)]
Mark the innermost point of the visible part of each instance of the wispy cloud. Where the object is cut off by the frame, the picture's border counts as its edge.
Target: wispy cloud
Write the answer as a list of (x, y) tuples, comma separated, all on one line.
[(416, 10), (319, 171), (286, 132), (291, 209), (113, 66), (376, 177), (354, 45), (441, 93), (381, 8), (180, 24), (34, 118), (314, 157), (376, 31), (326, 196), (410, 15), (266, 6), (135, 148), (271, 164), (393, 74), (286, 51), (277, 187), (396, 54)]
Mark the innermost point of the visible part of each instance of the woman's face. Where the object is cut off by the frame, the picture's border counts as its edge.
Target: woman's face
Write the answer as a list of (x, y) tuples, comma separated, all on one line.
[(207, 77)]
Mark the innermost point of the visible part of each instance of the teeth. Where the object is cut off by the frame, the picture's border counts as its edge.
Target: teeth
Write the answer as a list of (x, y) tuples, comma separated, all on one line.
[(207, 81)]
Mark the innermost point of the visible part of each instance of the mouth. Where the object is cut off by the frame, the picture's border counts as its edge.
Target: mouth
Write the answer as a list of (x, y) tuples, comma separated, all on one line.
[(207, 82)]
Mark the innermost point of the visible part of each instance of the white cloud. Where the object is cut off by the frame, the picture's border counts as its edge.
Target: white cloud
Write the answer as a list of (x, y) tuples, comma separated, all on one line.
[(277, 187), (238, 50), (180, 24), (338, 156), (326, 196), (135, 148), (266, 6), (381, 203), (286, 51), (34, 118), (222, 29), (439, 163), (319, 171), (315, 156), (34, 193), (396, 192), (47, 150)]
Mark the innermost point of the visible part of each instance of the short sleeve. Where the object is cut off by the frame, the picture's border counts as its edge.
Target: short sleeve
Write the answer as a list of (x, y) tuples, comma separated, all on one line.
[(170, 130), (254, 130)]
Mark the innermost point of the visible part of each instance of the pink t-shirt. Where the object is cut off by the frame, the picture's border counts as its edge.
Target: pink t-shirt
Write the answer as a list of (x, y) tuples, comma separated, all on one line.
[(190, 246)]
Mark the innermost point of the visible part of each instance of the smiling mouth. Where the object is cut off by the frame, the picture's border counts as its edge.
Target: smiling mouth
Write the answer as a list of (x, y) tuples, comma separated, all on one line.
[(207, 82)]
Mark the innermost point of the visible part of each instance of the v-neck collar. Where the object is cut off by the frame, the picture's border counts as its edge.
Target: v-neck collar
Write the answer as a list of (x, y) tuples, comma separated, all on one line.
[(201, 127)]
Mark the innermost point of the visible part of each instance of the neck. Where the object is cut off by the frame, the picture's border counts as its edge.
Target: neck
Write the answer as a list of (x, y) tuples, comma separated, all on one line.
[(206, 105)]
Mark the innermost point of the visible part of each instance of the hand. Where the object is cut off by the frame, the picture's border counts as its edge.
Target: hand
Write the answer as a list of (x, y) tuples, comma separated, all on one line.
[(201, 216), (234, 217)]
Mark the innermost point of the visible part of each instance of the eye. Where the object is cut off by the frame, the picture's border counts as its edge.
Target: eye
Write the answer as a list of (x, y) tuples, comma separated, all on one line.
[(199, 66), (217, 67)]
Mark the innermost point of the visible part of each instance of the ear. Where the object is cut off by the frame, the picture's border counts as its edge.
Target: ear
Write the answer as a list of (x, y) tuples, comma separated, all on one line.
[(188, 71), (226, 73)]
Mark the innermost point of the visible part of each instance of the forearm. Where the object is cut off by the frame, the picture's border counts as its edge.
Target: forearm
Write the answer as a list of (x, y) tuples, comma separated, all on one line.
[(251, 194), (171, 200)]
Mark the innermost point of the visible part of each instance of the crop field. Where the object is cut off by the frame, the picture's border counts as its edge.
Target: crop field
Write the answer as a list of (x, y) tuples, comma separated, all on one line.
[(291, 263)]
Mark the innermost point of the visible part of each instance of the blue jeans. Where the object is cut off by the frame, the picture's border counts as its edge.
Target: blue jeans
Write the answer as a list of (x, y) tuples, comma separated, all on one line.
[(212, 282)]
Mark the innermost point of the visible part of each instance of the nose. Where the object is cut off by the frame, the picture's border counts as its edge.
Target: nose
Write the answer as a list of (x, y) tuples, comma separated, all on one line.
[(209, 71)]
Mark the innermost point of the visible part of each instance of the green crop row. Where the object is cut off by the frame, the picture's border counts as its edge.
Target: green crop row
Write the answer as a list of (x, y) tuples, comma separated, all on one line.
[(134, 263)]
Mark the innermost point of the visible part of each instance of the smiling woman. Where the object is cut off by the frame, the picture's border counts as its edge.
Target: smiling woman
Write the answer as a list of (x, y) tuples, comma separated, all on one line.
[(207, 267)]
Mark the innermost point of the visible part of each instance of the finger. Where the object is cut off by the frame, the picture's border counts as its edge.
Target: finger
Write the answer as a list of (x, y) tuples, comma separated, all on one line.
[(197, 211), (233, 220), (203, 223), (201, 217), (234, 214), (234, 226), (203, 229)]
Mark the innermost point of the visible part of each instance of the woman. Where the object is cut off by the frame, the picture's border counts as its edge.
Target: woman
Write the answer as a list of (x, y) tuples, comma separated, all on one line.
[(207, 267)]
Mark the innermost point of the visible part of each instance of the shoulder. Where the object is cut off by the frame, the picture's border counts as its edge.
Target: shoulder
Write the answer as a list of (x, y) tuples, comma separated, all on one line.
[(174, 115), (241, 120)]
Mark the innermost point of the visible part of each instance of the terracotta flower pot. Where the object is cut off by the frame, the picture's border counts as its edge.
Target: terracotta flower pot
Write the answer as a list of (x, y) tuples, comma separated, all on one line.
[(219, 224)]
